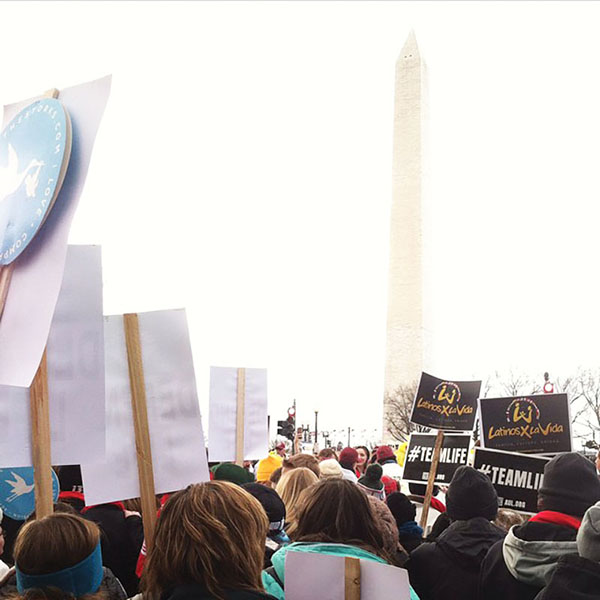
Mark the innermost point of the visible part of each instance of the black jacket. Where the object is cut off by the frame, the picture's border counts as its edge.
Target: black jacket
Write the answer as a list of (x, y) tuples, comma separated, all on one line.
[(449, 567), (194, 591), (121, 541), (575, 578), (533, 549)]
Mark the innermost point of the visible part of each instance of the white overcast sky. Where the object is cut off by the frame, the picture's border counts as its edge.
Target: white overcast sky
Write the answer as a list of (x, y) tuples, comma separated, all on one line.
[(243, 170)]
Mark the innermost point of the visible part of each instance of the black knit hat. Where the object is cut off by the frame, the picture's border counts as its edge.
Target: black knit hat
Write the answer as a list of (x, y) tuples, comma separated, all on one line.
[(401, 507), (570, 486), (372, 478), (271, 502), (471, 494)]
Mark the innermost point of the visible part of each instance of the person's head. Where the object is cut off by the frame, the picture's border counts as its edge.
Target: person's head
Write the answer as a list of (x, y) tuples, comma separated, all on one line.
[(386, 524), (363, 456), (59, 552), (232, 473), (330, 469), (390, 485), (570, 485), (506, 518), (336, 511), (401, 507), (370, 482), (212, 534), (280, 449), (348, 458), (266, 466), (326, 454), (290, 487), (471, 494), (271, 503), (300, 460), (385, 453), (275, 477), (588, 536)]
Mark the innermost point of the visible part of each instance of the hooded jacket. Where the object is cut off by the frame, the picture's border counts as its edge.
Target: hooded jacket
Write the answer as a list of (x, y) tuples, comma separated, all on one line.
[(449, 567), (519, 567), (575, 578), (278, 559)]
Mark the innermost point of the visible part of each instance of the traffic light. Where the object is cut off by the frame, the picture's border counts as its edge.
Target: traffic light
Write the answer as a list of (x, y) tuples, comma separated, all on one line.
[(287, 428)]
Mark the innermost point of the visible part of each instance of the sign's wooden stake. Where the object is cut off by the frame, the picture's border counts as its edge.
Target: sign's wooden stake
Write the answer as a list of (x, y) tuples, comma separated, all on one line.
[(435, 460), (351, 578), (5, 277), (140, 424), (239, 425)]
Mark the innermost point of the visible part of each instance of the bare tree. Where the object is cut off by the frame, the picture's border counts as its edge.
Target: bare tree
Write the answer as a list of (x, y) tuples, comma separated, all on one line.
[(398, 405), (584, 396), (511, 383)]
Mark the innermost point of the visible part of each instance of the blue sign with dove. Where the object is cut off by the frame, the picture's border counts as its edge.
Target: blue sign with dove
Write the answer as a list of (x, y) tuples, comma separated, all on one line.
[(35, 148), (17, 498)]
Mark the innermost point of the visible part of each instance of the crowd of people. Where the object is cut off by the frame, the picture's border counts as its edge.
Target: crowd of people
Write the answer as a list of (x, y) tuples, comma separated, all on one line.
[(227, 539)]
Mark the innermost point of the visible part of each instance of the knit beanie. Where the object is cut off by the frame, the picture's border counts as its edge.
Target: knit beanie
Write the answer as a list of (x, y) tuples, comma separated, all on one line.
[(330, 469), (471, 494), (271, 502), (348, 457), (570, 485), (372, 478), (588, 536), (401, 507), (266, 466), (232, 473), (385, 453), (390, 485)]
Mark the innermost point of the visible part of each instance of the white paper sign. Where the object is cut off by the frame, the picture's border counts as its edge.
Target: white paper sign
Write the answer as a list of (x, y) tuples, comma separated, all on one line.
[(176, 435), (38, 273), (326, 581), (75, 373), (223, 414)]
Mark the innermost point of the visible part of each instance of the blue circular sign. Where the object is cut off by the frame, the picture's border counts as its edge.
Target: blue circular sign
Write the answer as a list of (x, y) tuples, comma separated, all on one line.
[(35, 148), (17, 497)]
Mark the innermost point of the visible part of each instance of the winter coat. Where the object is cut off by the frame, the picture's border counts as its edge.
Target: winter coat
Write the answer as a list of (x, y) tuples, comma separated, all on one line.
[(121, 541), (575, 578), (449, 567), (273, 587), (196, 591), (349, 475), (410, 535), (520, 566)]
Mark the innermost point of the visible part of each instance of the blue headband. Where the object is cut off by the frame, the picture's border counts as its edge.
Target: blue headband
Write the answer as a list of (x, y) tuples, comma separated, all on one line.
[(83, 578)]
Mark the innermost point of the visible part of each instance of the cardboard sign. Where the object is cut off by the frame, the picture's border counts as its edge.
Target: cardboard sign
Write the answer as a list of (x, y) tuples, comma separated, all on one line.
[(538, 424), (444, 404), (327, 578), (17, 492), (75, 373), (34, 150), (223, 414), (38, 273), (516, 477), (455, 452), (174, 421)]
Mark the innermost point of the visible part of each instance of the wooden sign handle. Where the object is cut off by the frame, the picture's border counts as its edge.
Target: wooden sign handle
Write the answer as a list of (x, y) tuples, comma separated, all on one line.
[(140, 425), (351, 578), (435, 460), (239, 423), (5, 277)]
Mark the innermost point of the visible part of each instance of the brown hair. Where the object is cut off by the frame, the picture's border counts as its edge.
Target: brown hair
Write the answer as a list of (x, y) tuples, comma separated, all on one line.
[(327, 453), (335, 510), (275, 477), (302, 460), (55, 542), (212, 534), (290, 488)]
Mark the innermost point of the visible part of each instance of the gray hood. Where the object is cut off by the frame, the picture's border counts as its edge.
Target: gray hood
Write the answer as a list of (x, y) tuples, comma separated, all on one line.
[(532, 563)]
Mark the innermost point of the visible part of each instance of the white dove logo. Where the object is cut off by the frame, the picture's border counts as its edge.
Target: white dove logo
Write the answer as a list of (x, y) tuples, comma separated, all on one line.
[(19, 487), (11, 179)]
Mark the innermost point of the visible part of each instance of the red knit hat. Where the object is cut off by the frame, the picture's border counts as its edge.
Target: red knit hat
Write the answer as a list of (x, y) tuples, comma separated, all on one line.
[(390, 485), (385, 452), (348, 456)]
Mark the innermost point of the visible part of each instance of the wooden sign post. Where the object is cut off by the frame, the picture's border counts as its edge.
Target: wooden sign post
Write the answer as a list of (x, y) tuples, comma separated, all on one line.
[(351, 578), (140, 423), (239, 423), (435, 460)]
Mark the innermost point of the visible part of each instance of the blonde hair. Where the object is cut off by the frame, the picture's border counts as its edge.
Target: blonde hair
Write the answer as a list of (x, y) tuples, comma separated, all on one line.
[(290, 488), (211, 533)]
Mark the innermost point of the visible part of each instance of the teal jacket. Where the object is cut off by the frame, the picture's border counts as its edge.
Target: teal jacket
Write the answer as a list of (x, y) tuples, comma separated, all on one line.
[(278, 562)]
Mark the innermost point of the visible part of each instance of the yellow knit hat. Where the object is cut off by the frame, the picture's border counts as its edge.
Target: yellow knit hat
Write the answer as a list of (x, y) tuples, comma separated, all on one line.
[(266, 466)]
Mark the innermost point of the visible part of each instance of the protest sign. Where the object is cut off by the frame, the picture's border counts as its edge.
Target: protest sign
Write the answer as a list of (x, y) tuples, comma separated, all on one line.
[(174, 421), (37, 276), (237, 413), (17, 491), (419, 455), (342, 578), (75, 373), (516, 477), (538, 424), (444, 404)]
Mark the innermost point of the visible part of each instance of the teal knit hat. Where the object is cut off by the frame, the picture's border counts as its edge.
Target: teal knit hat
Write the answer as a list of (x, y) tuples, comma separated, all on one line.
[(233, 473)]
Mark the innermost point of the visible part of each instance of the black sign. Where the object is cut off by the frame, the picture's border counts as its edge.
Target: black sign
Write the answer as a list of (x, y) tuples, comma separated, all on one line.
[(538, 424), (455, 452), (449, 405), (516, 477)]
